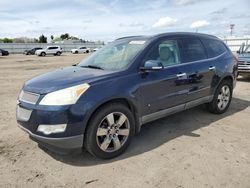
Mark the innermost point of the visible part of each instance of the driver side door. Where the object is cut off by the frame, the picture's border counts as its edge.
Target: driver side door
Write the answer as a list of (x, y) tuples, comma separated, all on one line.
[(164, 91)]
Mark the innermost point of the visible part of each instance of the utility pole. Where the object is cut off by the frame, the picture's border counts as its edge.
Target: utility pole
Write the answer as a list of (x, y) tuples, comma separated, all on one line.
[(231, 29)]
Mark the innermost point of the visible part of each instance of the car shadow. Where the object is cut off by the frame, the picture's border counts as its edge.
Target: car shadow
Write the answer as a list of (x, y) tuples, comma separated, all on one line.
[(156, 133)]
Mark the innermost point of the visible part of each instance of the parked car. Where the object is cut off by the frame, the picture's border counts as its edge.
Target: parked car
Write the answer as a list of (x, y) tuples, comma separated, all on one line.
[(4, 52), (95, 49), (80, 50), (50, 50), (31, 51), (244, 60), (102, 102)]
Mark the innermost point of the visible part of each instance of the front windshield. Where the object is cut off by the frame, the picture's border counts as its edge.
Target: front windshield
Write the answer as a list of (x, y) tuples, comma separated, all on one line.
[(114, 56)]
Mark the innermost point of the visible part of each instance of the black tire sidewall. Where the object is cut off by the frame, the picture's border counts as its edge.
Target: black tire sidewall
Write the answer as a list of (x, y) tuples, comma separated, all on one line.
[(90, 136)]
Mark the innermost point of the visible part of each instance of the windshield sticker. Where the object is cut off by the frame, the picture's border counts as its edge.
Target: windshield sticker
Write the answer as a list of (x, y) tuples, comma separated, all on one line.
[(137, 42)]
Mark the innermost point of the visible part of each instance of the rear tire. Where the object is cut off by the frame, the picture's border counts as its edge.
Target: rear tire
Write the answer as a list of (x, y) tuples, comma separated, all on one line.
[(58, 53), (87, 51), (222, 98), (109, 131)]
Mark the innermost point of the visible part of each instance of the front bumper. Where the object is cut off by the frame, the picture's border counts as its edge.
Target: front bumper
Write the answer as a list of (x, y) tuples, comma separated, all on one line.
[(30, 116), (72, 142)]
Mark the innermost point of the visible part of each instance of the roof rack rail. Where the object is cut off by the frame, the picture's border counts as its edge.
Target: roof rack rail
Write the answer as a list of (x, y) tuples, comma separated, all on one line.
[(128, 37)]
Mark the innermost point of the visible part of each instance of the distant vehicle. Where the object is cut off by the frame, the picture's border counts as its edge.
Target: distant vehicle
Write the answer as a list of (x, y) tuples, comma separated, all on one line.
[(31, 51), (80, 50), (95, 49), (244, 60), (4, 52), (50, 50)]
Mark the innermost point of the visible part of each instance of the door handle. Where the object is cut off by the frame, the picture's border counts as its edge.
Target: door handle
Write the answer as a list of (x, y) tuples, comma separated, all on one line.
[(211, 68), (182, 75)]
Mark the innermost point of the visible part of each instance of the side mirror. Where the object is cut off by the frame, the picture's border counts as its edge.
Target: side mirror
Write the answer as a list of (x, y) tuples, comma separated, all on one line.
[(152, 65)]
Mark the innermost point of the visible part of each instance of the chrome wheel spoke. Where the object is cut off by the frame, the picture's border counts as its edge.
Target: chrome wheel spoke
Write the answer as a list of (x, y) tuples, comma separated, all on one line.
[(102, 131), (117, 143), (124, 132), (219, 96), (110, 119), (105, 143), (121, 120), (220, 104)]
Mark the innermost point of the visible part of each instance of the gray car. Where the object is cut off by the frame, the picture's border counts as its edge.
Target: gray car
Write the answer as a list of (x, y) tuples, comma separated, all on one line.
[(244, 60)]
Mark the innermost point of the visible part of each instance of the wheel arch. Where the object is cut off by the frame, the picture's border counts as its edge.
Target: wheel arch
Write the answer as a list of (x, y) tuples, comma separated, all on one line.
[(128, 103), (227, 78)]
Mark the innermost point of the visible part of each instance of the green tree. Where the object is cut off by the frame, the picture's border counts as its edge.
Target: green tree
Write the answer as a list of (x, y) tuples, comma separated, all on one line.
[(42, 39), (64, 36), (7, 40), (52, 37)]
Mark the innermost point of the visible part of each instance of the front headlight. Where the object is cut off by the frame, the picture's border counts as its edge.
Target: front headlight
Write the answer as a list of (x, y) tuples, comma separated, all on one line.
[(65, 96)]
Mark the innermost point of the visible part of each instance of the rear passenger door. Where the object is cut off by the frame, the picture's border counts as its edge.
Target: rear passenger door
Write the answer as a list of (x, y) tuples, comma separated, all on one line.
[(199, 68)]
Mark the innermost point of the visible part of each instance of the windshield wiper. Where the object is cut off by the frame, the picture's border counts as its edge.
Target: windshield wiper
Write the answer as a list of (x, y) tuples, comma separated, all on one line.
[(92, 67)]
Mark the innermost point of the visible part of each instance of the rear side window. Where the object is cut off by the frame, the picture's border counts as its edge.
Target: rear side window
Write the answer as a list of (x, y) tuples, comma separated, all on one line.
[(52, 48), (192, 50), (214, 47)]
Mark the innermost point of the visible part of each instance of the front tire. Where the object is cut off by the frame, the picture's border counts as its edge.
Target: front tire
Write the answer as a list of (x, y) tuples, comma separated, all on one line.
[(43, 54), (109, 131), (222, 98)]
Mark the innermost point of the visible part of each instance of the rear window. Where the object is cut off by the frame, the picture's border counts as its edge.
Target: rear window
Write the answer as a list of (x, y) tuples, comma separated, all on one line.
[(192, 50), (214, 47)]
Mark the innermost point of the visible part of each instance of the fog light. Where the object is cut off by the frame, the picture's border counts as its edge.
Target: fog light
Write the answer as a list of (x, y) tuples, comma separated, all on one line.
[(49, 129)]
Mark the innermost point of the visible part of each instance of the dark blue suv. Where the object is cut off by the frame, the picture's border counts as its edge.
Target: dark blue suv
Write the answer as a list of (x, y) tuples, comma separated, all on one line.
[(102, 102)]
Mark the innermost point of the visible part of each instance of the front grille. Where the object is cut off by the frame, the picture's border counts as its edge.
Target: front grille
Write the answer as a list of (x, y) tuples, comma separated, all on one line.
[(244, 63), (28, 97)]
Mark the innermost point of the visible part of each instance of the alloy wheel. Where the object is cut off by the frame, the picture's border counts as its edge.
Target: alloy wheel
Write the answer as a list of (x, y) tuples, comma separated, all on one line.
[(113, 132), (223, 97)]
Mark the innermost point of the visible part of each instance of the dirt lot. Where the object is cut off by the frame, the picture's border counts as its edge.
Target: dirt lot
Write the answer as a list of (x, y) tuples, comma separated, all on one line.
[(189, 149)]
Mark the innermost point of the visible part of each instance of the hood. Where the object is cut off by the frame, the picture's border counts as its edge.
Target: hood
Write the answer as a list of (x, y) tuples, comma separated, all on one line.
[(244, 57), (63, 78)]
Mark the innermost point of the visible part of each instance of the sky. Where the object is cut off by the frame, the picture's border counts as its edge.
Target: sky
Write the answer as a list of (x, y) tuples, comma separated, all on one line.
[(109, 19)]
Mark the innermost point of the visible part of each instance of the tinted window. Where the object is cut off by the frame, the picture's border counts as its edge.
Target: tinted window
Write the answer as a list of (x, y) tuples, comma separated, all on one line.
[(192, 50), (52, 48), (214, 47), (167, 52)]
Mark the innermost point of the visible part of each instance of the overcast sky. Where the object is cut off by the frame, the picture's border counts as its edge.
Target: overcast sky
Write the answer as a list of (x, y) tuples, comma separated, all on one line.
[(109, 19)]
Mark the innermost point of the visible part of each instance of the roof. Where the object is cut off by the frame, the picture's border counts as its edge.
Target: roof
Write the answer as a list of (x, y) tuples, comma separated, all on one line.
[(168, 34)]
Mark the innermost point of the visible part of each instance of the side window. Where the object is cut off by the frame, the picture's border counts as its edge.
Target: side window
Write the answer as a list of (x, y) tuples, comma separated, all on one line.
[(192, 50), (167, 52), (214, 47)]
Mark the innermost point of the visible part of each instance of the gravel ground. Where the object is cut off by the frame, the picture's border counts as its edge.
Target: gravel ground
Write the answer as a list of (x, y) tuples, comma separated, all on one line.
[(190, 149)]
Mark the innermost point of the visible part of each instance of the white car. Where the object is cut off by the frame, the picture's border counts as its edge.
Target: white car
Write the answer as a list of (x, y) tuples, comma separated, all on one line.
[(95, 49), (49, 50), (80, 50)]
